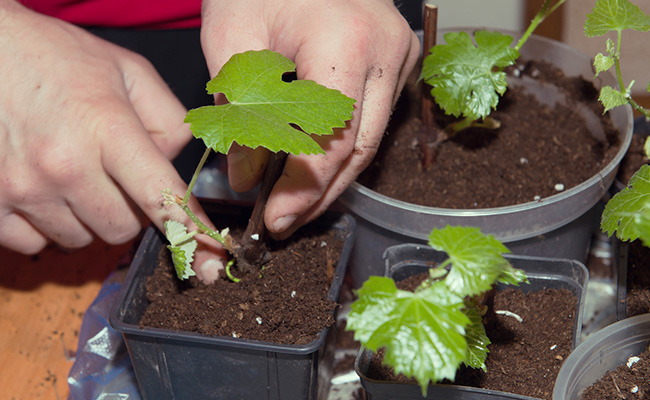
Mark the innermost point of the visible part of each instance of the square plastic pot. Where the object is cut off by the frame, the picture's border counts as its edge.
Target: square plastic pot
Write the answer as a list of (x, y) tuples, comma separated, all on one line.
[(559, 226), (406, 260), (601, 352), (177, 365)]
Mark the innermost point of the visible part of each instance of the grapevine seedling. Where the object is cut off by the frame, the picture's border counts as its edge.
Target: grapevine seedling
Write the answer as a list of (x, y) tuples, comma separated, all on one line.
[(427, 334), (627, 213), (262, 111), (467, 76)]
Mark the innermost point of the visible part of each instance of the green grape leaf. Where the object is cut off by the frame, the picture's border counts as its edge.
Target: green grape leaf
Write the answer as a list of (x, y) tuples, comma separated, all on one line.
[(182, 248), (263, 110), (615, 15), (467, 79), (611, 98), (477, 340), (477, 259), (602, 63), (422, 332), (627, 213)]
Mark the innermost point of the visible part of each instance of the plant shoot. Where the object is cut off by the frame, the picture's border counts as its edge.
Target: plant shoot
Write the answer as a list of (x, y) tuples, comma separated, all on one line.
[(429, 333), (262, 111)]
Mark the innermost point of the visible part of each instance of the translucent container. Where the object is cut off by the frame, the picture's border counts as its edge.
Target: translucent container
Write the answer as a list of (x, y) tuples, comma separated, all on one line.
[(601, 352), (558, 226)]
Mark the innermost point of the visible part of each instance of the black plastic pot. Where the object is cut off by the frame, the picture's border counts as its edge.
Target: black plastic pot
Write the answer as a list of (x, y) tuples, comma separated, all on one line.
[(406, 260), (182, 365)]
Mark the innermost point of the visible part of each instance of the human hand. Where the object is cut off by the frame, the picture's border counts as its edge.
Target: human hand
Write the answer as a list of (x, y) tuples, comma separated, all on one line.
[(87, 131), (364, 48)]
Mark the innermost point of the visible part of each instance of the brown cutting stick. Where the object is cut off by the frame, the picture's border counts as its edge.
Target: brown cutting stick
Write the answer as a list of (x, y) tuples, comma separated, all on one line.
[(429, 135)]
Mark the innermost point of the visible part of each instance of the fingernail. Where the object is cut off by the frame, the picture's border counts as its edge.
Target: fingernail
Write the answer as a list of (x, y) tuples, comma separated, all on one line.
[(240, 168), (208, 272), (283, 223)]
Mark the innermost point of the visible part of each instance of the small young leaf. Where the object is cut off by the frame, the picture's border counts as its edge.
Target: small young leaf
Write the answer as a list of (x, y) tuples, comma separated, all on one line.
[(422, 332), (602, 63), (262, 107), (477, 340), (615, 15), (477, 259), (182, 248), (611, 98), (627, 213), (463, 75)]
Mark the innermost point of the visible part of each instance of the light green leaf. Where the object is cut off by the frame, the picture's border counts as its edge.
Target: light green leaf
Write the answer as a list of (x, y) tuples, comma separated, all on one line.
[(611, 98), (615, 15), (627, 213), (262, 109), (477, 340), (477, 259), (463, 75), (602, 63), (422, 332), (182, 248)]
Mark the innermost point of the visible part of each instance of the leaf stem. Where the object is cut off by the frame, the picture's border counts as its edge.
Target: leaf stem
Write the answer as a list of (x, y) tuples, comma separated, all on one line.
[(619, 77), (539, 17), (198, 169), (203, 228)]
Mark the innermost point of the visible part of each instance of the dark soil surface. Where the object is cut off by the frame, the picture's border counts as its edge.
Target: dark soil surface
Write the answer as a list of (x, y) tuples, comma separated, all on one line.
[(287, 303), (631, 383), (525, 357), (536, 148), (638, 279)]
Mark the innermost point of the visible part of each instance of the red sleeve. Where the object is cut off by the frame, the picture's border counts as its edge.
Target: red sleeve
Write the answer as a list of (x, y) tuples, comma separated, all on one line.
[(144, 14)]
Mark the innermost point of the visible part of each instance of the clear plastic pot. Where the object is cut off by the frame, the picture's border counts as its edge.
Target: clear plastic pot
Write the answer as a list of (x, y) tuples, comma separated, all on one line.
[(556, 226), (601, 352)]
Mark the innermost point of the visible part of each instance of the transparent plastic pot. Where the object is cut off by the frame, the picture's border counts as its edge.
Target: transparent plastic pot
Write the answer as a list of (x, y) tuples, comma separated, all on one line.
[(402, 261), (558, 226), (601, 352)]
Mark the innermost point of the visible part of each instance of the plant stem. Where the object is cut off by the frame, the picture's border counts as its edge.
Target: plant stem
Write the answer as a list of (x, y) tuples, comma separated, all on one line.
[(539, 17), (203, 227), (252, 253), (198, 169), (619, 78)]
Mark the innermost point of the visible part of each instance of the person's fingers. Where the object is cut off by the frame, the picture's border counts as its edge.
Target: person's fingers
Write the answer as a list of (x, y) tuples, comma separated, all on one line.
[(19, 235), (311, 184), (148, 173), (160, 111), (246, 167)]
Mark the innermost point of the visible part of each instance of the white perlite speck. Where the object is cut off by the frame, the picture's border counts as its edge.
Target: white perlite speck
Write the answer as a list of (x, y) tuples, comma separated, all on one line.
[(509, 314), (255, 236), (559, 187), (632, 360), (293, 294), (259, 320), (635, 389)]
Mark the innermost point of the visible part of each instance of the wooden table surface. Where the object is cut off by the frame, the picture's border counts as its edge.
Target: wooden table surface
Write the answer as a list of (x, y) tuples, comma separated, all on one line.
[(42, 302)]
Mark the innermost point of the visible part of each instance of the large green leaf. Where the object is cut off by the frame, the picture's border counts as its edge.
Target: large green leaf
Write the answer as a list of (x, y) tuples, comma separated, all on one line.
[(467, 79), (422, 332), (477, 259), (615, 15), (263, 109), (628, 212)]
